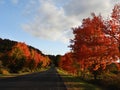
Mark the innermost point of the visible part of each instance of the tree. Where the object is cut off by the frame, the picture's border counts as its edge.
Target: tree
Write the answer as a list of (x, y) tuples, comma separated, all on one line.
[(45, 61), (16, 60), (91, 47), (16, 56), (39, 60), (54, 60), (113, 25), (66, 63), (32, 65), (24, 48)]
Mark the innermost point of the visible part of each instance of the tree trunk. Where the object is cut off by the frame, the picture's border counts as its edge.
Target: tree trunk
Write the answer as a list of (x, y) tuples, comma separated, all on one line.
[(95, 76)]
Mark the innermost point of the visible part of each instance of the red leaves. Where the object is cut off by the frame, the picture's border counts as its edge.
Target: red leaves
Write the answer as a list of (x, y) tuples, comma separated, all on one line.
[(30, 55), (116, 12), (96, 44), (113, 25), (24, 48), (67, 63), (92, 47)]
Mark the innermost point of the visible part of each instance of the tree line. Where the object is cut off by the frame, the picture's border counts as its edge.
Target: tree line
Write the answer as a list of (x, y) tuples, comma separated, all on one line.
[(17, 56)]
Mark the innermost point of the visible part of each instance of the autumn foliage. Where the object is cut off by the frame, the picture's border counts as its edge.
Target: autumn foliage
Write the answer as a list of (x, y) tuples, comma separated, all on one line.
[(95, 46), (67, 63), (20, 56), (113, 25)]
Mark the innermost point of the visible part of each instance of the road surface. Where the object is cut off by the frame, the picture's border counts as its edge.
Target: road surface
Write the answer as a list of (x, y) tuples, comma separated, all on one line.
[(47, 80)]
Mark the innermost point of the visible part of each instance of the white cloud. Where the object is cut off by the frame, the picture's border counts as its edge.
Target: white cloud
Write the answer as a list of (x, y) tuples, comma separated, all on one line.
[(15, 1), (83, 8), (53, 22)]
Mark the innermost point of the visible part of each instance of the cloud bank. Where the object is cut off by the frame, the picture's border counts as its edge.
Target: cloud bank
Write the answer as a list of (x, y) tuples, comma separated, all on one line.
[(53, 21)]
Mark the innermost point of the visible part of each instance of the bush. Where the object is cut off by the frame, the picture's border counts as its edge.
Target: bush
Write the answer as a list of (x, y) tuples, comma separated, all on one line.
[(4, 71), (110, 81), (24, 70)]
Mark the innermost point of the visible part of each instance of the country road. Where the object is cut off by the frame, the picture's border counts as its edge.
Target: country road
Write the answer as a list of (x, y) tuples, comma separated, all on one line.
[(46, 80)]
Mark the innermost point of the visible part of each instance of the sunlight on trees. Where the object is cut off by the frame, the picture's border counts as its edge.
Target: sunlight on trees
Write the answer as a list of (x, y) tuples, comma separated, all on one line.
[(95, 46)]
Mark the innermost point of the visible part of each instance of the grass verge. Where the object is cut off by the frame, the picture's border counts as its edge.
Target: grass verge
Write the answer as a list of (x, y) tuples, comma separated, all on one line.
[(75, 83), (21, 73)]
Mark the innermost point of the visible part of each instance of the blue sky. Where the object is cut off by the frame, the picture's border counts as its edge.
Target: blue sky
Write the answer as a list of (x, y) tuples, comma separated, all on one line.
[(46, 24)]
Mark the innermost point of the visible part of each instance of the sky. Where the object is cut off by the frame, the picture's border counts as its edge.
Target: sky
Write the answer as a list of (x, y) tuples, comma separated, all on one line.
[(47, 24)]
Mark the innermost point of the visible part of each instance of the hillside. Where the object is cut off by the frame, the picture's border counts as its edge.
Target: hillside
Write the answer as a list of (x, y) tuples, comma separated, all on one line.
[(18, 56)]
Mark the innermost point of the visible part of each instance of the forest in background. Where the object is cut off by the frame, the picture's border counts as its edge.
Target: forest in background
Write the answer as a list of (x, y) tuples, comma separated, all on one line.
[(18, 57)]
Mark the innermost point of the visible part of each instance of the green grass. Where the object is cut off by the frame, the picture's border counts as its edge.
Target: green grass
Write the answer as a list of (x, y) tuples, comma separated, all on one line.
[(22, 73), (75, 83)]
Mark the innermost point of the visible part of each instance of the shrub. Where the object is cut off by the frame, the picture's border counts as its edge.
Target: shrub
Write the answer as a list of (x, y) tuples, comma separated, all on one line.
[(110, 81), (4, 71)]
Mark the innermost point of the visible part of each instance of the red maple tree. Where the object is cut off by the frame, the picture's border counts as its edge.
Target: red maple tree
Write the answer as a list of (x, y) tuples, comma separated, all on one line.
[(66, 63), (113, 25), (91, 47)]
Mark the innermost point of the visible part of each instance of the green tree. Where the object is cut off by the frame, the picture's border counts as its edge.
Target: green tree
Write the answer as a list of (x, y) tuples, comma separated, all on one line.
[(16, 60)]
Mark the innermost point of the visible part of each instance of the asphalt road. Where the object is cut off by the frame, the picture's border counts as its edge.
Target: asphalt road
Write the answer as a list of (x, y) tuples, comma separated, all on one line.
[(47, 80)]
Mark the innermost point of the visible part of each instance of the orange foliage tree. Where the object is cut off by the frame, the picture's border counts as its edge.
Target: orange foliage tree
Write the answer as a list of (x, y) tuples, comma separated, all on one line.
[(91, 47), (38, 60), (113, 25), (16, 57), (21, 56), (66, 63)]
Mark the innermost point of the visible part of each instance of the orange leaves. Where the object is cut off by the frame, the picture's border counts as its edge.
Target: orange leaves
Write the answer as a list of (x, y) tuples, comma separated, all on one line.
[(45, 61), (39, 58), (96, 43), (23, 48), (113, 25), (66, 63), (116, 12), (31, 56), (92, 47), (17, 56), (85, 51), (96, 67), (90, 40)]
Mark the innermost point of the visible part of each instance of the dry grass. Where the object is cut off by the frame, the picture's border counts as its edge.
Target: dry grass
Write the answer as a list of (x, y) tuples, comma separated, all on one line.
[(4, 72), (75, 83)]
